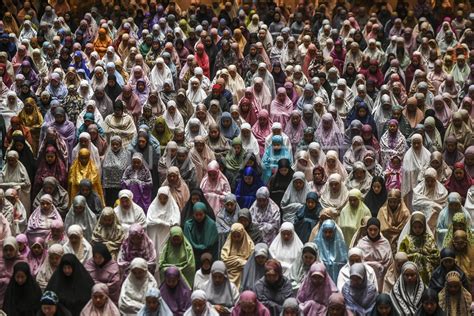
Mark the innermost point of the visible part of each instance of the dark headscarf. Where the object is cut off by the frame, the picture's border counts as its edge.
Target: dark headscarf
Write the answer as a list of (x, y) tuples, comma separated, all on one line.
[(307, 218), (438, 278), (373, 221), (278, 182), (429, 295), (460, 186), (26, 156), (22, 299), (456, 155), (246, 194), (115, 91), (279, 78), (251, 229), (93, 199), (384, 299), (74, 291), (187, 212), (102, 249), (438, 123), (375, 201), (178, 299)]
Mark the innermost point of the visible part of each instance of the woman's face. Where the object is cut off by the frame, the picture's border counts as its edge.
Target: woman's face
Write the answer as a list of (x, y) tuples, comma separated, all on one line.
[(226, 122), (459, 174), (213, 175), (20, 277), (335, 310), (287, 235), (218, 278), (199, 216), (237, 236), (75, 239), (377, 187), (99, 300), (430, 307), (318, 177), (354, 202), (79, 209), (136, 164), (67, 270), (248, 180), (272, 277), (54, 259), (298, 184), (199, 306), (459, 243), (116, 145), (331, 162), (163, 199), (410, 276), (152, 303), (373, 231), (138, 273), (417, 228), (359, 174), (172, 281), (416, 144), (45, 206), (49, 310), (308, 259), (98, 258), (430, 182), (384, 309)]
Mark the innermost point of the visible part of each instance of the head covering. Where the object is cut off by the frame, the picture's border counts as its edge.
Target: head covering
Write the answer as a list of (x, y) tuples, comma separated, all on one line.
[(407, 299), (385, 300), (253, 271), (133, 294), (128, 251), (181, 256), (220, 294), (22, 299), (178, 298), (286, 251), (74, 291), (86, 218), (319, 294), (360, 299), (108, 309), (112, 235), (333, 251), (250, 297), (234, 253)]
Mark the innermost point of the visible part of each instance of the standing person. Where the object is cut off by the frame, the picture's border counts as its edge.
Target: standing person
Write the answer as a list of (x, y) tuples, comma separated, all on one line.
[(23, 293), (100, 302), (201, 232), (407, 292), (138, 179), (116, 160), (135, 287), (162, 214), (274, 288), (417, 241), (73, 284), (215, 186)]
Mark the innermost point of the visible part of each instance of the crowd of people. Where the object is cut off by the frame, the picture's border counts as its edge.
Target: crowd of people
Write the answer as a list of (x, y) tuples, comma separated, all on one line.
[(236, 158)]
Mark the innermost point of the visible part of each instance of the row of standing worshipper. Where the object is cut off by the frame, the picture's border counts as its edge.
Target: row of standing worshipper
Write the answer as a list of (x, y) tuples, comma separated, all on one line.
[(270, 158), (300, 179), (426, 174), (282, 246)]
